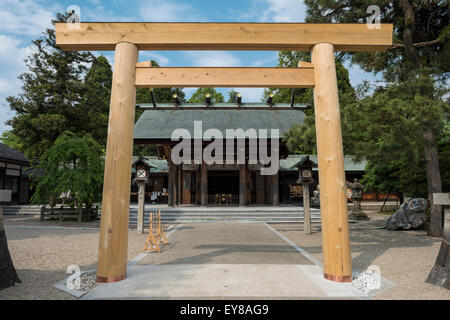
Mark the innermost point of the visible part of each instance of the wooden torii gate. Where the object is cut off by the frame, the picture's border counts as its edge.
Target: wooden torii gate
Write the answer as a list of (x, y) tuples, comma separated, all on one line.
[(126, 39)]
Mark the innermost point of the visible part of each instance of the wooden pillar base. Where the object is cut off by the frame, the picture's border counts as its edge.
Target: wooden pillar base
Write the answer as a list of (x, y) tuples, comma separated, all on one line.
[(111, 279), (338, 278)]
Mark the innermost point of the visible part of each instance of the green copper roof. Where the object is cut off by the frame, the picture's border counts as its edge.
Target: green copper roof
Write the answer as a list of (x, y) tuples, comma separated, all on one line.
[(159, 124), (288, 164), (156, 165), (249, 105)]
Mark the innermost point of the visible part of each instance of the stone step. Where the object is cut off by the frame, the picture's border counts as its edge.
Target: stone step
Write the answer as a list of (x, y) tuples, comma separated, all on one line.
[(208, 214)]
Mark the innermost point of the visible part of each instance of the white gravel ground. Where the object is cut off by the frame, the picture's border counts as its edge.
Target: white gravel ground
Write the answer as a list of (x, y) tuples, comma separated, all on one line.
[(366, 281)]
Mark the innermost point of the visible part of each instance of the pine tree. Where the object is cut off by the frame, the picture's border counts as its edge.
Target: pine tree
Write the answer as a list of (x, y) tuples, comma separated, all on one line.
[(415, 69), (52, 95), (301, 139), (97, 99)]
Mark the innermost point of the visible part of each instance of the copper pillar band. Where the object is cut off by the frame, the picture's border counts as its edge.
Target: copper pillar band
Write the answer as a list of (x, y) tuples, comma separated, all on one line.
[(338, 278), (111, 279)]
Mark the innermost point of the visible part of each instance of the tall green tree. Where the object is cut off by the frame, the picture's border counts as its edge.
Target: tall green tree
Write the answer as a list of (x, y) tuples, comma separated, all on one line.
[(232, 96), (301, 139), (162, 95), (415, 69), (200, 95), (11, 140), (51, 100), (96, 99)]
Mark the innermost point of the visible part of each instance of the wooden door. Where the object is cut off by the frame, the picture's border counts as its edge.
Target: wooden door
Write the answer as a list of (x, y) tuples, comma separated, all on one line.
[(259, 188), (186, 187)]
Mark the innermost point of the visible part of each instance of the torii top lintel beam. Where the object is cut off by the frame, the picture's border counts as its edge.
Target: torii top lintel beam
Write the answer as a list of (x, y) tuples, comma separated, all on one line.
[(103, 36)]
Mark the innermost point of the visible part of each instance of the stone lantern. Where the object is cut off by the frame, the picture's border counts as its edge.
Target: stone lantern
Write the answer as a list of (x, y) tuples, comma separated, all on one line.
[(142, 170), (357, 213), (305, 166)]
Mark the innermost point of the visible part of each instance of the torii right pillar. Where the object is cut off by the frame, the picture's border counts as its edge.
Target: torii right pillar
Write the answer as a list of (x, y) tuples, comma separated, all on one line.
[(337, 260)]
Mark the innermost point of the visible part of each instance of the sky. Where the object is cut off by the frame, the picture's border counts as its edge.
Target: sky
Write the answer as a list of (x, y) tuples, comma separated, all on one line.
[(25, 20)]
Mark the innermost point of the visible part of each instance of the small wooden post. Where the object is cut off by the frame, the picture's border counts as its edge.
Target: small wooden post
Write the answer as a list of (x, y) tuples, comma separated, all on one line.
[(204, 184), (242, 185), (275, 191), (306, 211), (337, 260), (141, 206), (113, 241)]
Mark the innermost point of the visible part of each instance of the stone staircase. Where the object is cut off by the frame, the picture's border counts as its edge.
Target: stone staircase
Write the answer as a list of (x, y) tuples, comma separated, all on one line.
[(188, 214), (21, 209), (240, 214)]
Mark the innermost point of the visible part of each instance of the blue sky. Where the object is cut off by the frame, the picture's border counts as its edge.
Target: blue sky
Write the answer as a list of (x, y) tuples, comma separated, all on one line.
[(23, 21)]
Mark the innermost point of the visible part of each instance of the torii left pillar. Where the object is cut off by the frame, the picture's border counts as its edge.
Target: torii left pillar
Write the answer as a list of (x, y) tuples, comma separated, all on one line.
[(113, 243)]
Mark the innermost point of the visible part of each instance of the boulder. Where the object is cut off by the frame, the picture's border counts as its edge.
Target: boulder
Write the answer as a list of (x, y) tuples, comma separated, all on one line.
[(410, 215)]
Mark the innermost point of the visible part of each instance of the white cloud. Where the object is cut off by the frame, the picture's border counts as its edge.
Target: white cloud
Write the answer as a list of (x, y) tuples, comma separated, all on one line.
[(12, 55), (20, 20), (188, 92), (27, 17), (213, 59), (165, 11), (269, 62), (283, 11), (163, 61)]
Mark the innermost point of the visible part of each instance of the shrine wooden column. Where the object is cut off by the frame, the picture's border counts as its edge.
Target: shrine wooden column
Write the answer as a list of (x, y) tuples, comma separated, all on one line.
[(337, 261), (275, 190), (175, 185), (198, 187), (204, 185), (179, 184), (171, 175), (242, 185), (113, 241)]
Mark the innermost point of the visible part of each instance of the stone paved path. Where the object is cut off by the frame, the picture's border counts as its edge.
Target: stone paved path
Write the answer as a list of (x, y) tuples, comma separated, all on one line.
[(225, 261)]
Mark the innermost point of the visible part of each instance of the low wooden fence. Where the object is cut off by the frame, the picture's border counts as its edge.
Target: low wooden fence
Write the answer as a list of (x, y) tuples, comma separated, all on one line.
[(81, 214), (380, 196)]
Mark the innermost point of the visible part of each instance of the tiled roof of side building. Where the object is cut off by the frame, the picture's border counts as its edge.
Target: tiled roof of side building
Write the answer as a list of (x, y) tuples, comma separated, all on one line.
[(7, 153)]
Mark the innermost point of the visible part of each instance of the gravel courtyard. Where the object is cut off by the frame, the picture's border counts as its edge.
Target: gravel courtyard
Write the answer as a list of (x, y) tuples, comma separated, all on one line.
[(42, 251), (404, 257)]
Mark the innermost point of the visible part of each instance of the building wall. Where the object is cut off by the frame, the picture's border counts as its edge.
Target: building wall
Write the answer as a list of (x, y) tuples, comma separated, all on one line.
[(14, 186)]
